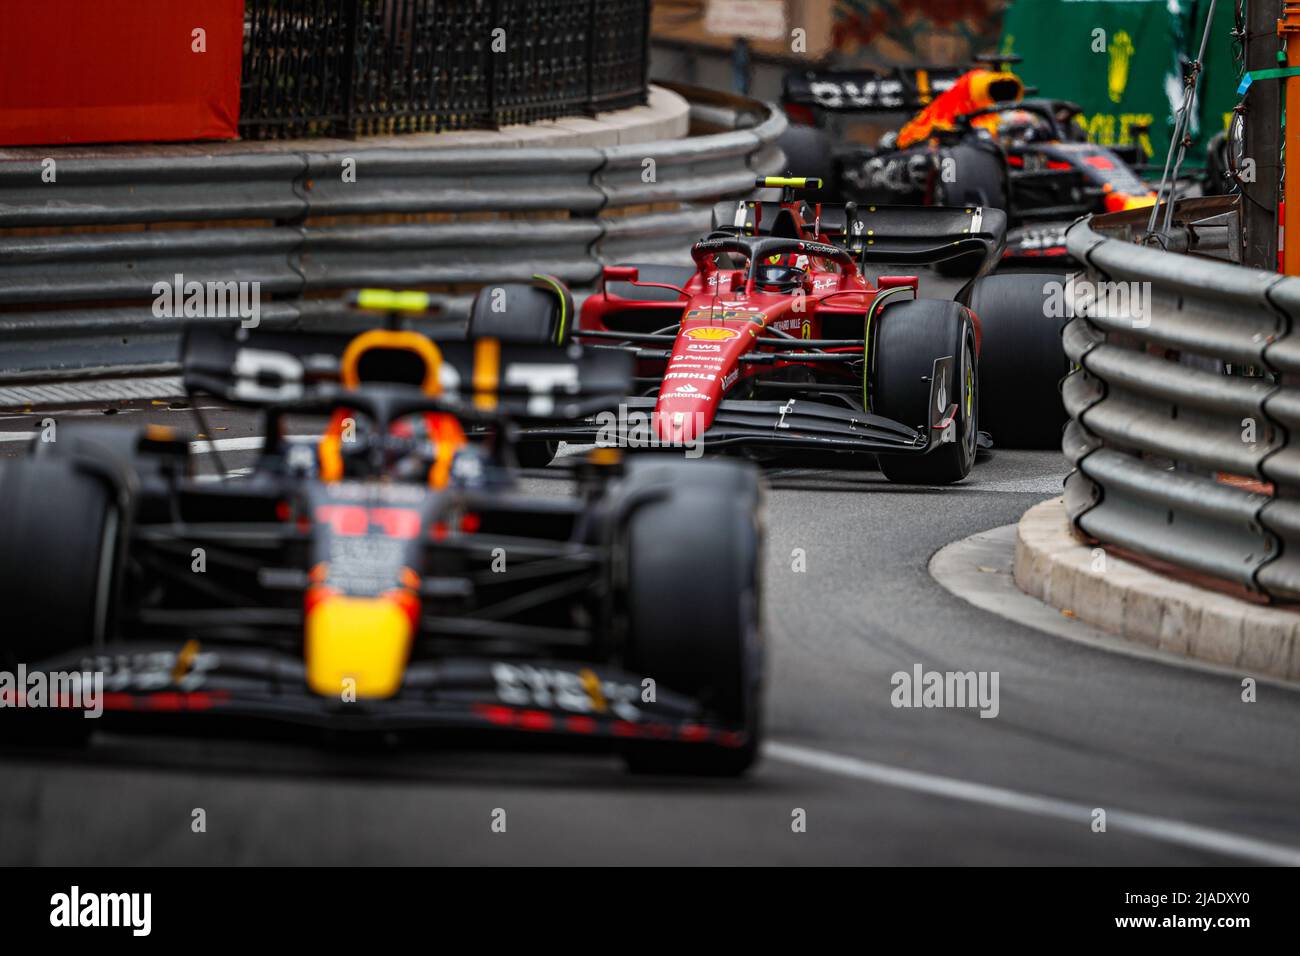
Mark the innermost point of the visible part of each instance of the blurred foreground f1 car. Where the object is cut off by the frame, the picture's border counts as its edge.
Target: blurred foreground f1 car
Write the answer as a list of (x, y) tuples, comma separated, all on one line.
[(971, 138), (391, 576)]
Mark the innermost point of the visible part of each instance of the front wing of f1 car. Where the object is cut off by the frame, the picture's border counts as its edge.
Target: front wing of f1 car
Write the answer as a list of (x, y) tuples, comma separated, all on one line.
[(173, 686), (792, 423), (294, 622)]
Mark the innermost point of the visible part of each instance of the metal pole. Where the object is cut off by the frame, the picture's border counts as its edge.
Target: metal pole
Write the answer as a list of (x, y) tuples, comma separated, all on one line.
[(1262, 142), (1289, 29), (1182, 125)]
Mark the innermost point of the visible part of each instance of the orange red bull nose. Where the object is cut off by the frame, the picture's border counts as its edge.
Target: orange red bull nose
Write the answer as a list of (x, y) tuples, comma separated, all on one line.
[(973, 90)]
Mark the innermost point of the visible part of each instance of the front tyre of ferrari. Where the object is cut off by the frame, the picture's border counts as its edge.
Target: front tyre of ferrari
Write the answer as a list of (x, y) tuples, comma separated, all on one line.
[(693, 604), (912, 336), (57, 560), (538, 314)]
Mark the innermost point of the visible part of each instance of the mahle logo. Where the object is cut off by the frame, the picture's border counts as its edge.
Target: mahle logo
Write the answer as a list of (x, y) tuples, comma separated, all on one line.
[(1121, 52)]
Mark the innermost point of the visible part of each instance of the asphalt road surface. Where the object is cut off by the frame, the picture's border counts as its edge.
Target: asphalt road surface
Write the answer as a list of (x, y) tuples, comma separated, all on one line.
[(1185, 770)]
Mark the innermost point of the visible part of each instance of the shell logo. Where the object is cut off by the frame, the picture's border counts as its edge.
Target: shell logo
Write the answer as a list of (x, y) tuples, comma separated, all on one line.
[(712, 334)]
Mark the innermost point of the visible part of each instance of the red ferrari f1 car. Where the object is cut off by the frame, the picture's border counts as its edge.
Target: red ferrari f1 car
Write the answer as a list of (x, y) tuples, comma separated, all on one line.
[(784, 336)]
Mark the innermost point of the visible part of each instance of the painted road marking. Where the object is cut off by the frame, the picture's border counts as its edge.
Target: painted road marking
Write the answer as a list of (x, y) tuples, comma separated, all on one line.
[(203, 446), (1141, 824)]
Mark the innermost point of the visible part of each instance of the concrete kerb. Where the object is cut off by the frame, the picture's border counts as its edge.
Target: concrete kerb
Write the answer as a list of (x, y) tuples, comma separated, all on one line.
[(1128, 600)]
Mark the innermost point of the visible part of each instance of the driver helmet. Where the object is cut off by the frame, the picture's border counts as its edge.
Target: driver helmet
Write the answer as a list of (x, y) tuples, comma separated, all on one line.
[(1020, 126), (780, 274)]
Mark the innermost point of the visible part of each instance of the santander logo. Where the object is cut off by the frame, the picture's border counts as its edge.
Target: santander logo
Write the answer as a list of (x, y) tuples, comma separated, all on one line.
[(689, 391)]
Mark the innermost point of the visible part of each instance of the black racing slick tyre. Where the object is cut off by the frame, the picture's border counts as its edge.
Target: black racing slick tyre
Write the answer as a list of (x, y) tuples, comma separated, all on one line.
[(540, 314), (58, 553), (693, 601), (809, 152), (1022, 358), (980, 180), (912, 336)]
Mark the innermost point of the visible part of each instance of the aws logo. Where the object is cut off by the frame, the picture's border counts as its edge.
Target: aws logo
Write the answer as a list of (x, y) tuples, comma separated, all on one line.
[(1121, 52)]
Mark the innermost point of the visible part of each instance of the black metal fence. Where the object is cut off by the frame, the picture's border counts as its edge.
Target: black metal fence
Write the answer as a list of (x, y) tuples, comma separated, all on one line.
[(367, 67)]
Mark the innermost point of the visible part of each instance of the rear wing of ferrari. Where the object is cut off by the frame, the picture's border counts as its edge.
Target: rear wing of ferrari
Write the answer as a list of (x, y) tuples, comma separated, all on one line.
[(903, 89), (483, 376), (923, 235), (877, 233)]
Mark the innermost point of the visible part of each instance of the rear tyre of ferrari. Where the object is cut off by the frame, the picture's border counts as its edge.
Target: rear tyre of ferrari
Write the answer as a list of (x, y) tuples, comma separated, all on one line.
[(1022, 359), (693, 605), (57, 561), (912, 336), (960, 267), (527, 314), (981, 180)]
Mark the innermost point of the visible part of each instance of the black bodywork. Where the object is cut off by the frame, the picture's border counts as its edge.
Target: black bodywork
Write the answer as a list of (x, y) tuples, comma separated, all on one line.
[(1044, 178), (529, 647)]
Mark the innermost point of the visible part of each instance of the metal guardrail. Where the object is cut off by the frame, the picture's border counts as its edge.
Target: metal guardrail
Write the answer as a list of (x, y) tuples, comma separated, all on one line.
[(1172, 406), (79, 303)]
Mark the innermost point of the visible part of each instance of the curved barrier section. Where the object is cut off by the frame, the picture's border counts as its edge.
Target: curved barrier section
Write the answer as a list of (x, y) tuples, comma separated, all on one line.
[(289, 222), (1182, 403)]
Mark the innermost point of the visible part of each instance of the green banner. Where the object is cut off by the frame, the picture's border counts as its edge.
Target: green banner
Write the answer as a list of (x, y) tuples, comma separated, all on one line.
[(1121, 60)]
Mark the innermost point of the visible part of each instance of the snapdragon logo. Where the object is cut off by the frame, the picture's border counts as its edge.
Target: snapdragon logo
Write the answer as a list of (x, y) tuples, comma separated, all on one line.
[(74, 690), (208, 300), (76, 909), (633, 429), (960, 689)]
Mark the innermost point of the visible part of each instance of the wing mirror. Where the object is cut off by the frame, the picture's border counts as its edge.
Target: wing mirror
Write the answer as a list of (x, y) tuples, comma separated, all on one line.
[(620, 274)]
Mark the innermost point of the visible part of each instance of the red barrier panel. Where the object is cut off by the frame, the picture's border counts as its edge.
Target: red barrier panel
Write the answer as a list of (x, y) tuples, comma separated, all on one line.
[(98, 71)]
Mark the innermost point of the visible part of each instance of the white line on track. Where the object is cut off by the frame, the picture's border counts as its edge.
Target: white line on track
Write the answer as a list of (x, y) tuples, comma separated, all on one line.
[(203, 446), (1139, 824), (232, 473)]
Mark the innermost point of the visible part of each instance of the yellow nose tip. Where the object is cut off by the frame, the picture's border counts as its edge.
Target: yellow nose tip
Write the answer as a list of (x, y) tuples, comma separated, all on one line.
[(357, 646)]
